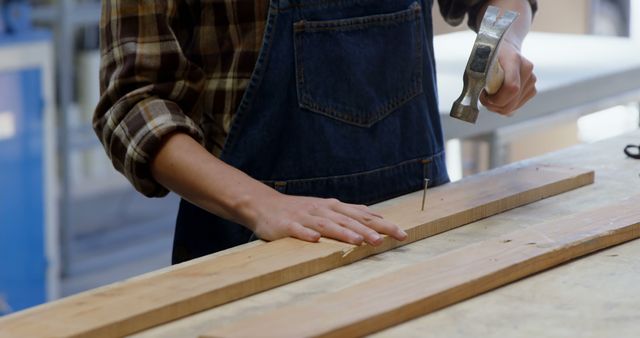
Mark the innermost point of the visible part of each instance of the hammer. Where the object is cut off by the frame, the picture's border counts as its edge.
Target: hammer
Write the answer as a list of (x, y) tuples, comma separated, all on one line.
[(483, 71)]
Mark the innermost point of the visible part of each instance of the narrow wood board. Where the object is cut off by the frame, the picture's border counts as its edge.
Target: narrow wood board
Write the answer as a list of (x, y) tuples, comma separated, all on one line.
[(143, 302), (446, 279)]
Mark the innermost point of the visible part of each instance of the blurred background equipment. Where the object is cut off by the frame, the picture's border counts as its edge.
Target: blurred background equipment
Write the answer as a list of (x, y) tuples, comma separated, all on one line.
[(28, 223), (108, 231)]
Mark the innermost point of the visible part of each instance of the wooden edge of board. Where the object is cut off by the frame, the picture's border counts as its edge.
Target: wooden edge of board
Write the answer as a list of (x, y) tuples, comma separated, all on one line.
[(210, 281), (446, 279)]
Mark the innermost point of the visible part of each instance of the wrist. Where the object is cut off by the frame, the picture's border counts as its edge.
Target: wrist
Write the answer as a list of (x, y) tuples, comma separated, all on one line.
[(246, 207), (514, 41)]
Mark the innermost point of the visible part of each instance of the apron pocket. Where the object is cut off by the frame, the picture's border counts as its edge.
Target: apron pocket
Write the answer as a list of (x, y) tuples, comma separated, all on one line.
[(359, 70)]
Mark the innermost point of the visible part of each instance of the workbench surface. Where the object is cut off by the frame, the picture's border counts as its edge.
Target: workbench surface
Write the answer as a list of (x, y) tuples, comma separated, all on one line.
[(595, 296)]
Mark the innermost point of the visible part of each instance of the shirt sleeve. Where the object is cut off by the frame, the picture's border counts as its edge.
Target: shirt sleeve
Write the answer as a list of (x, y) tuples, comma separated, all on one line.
[(454, 11), (149, 89)]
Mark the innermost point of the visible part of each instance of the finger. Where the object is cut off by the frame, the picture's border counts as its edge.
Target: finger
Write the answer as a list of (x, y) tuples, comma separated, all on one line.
[(484, 99), (502, 110), (330, 229), (386, 227), (531, 92), (528, 88), (370, 235), (527, 80), (499, 108), (376, 223), (510, 87), (505, 105), (527, 93), (297, 230), (531, 82), (364, 208), (507, 108), (526, 69)]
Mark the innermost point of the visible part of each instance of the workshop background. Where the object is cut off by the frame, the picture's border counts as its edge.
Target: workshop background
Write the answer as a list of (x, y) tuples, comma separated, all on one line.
[(69, 222)]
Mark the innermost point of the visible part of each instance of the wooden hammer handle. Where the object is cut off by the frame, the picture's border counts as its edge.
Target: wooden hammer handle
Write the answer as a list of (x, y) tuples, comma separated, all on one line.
[(495, 77)]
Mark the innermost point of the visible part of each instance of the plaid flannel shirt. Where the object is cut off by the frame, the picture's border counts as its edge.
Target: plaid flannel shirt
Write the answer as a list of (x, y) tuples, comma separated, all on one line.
[(182, 66)]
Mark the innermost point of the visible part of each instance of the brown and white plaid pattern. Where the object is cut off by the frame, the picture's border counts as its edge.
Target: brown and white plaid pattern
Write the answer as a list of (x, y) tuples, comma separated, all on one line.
[(181, 65)]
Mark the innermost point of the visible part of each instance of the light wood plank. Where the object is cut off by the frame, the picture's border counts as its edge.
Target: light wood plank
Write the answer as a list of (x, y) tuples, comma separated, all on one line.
[(179, 291), (446, 279), (593, 302)]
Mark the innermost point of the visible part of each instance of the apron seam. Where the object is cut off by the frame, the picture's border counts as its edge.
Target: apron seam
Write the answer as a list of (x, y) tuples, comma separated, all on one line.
[(426, 160)]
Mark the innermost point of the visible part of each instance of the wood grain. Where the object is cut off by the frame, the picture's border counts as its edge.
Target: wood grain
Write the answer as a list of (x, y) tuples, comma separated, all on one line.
[(182, 290), (446, 279)]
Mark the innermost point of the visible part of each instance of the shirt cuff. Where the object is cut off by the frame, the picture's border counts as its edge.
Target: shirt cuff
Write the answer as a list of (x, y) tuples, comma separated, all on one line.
[(140, 136)]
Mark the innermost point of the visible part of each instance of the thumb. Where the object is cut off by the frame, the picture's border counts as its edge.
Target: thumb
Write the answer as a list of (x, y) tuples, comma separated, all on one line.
[(511, 84)]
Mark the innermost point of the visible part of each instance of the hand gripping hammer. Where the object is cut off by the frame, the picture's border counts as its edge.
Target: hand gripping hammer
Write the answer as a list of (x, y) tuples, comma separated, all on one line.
[(483, 71)]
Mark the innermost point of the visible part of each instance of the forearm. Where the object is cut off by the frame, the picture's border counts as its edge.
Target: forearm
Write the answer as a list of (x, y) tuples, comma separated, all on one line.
[(520, 27), (185, 167)]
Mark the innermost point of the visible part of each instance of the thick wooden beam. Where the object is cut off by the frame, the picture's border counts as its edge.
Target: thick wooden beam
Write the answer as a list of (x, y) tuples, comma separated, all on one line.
[(182, 290), (446, 279)]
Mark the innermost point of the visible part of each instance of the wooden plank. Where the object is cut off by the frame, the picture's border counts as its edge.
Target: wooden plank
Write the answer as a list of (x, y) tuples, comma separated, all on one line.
[(446, 279), (569, 300), (185, 289)]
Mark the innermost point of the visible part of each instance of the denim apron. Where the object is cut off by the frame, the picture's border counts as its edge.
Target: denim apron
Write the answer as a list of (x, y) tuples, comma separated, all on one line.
[(342, 103)]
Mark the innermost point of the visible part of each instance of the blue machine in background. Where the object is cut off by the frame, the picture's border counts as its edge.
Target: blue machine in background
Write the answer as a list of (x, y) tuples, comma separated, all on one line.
[(15, 16), (22, 257), (23, 220)]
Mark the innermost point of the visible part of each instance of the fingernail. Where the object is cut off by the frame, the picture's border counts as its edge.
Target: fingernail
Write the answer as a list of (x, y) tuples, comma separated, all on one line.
[(376, 238)]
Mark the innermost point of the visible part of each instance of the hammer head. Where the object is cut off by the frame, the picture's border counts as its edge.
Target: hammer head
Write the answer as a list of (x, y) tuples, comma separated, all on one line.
[(482, 59)]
